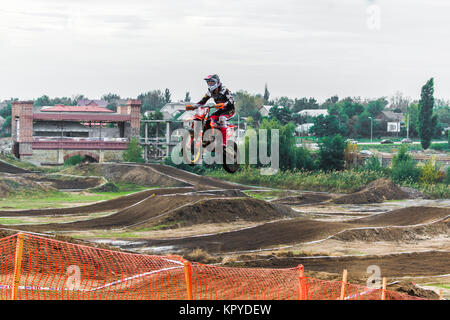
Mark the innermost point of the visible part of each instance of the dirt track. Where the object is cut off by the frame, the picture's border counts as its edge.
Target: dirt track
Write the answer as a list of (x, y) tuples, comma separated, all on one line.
[(394, 265), (300, 230), (175, 209), (103, 206), (200, 182), (7, 168)]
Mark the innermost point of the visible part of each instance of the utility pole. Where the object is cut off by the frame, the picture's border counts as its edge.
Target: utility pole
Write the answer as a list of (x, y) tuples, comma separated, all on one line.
[(407, 125), (238, 127)]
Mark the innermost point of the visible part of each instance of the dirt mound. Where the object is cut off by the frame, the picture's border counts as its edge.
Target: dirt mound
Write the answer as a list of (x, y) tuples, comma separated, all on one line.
[(404, 217), (305, 198), (201, 182), (10, 185), (396, 234), (107, 187), (300, 230), (62, 182), (231, 193), (224, 210), (411, 289), (8, 168), (171, 211), (102, 206), (127, 173), (375, 192), (392, 265), (414, 193)]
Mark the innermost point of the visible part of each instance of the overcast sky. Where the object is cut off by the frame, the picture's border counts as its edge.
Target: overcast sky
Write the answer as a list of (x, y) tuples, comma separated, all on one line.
[(302, 48)]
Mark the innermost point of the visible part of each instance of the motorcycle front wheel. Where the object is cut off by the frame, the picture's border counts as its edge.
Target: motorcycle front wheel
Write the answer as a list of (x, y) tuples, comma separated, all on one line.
[(231, 161)]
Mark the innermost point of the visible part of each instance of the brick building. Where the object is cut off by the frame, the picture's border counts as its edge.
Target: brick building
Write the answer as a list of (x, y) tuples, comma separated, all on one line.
[(53, 134)]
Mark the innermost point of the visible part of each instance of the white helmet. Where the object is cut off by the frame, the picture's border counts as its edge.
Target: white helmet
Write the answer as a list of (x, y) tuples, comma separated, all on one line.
[(213, 82)]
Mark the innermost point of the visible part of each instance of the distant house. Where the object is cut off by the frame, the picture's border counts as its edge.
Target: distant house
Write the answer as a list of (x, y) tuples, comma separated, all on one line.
[(170, 110), (390, 116), (264, 110), (303, 128), (3, 104), (88, 102), (390, 120), (313, 112)]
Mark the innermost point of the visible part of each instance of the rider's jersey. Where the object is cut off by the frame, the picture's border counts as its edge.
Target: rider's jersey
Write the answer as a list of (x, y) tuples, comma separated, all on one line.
[(223, 96)]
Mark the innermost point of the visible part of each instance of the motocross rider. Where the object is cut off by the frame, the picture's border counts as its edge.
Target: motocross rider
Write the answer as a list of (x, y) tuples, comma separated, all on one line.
[(220, 94)]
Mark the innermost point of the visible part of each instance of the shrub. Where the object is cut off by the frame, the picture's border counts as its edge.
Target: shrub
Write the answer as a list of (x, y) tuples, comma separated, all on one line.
[(134, 152), (72, 161), (429, 173), (403, 167), (290, 156), (331, 153), (447, 178), (373, 164)]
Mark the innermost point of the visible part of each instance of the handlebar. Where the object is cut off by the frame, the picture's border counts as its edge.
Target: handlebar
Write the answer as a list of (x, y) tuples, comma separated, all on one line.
[(195, 106)]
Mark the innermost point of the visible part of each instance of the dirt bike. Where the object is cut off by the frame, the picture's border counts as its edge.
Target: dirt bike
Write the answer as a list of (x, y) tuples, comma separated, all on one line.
[(196, 143)]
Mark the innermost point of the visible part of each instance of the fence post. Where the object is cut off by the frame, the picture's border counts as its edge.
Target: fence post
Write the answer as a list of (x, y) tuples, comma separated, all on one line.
[(302, 288), (146, 143), (168, 139), (441, 294), (17, 266), (344, 282), (383, 291), (188, 278)]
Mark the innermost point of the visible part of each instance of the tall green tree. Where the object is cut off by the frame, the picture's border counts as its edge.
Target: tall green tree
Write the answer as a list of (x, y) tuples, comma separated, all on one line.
[(187, 98), (167, 96), (248, 104), (266, 94), (325, 126), (427, 122), (134, 151), (331, 153), (291, 157), (282, 114), (152, 100), (111, 98), (304, 103), (374, 107)]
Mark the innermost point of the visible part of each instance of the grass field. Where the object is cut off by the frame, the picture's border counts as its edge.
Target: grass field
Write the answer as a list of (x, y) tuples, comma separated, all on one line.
[(64, 199)]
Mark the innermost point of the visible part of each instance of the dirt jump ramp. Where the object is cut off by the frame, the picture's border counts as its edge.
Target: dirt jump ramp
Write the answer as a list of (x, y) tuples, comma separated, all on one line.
[(199, 182), (300, 230), (102, 206), (8, 168), (181, 209), (393, 265)]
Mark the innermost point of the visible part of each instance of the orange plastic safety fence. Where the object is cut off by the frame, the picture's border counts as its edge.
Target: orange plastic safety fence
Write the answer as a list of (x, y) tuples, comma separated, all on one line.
[(38, 268)]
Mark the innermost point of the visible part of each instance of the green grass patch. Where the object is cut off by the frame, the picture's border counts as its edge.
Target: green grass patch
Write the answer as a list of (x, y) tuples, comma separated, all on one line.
[(265, 195), (59, 199), (7, 221), (29, 166), (345, 181), (439, 285)]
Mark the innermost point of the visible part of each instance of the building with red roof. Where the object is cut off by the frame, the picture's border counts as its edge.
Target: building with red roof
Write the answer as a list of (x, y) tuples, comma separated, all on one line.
[(53, 134)]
